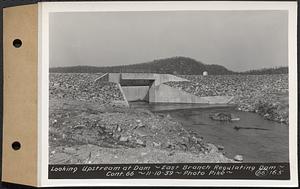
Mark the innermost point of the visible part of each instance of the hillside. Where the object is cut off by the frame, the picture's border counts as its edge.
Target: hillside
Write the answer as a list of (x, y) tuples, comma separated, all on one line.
[(174, 65), (266, 71)]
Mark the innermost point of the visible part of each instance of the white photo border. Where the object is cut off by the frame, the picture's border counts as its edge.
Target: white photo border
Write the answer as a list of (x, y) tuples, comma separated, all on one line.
[(46, 8)]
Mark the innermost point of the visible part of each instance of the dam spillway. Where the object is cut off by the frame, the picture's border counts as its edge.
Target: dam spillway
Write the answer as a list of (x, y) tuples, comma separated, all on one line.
[(151, 87)]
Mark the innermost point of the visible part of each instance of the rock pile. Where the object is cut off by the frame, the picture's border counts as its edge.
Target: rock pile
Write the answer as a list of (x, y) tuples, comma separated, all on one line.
[(71, 125), (81, 86), (221, 116), (250, 91)]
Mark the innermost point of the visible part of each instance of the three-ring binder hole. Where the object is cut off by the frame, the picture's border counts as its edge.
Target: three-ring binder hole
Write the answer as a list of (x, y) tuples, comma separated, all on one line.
[(17, 43), (16, 145)]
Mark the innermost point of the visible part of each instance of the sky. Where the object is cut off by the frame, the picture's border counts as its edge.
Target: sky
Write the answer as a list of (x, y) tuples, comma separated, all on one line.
[(238, 40)]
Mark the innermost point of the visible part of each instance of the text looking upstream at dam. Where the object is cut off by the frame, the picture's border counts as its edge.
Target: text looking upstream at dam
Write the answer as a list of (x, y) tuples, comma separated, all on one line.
[(175, 171)]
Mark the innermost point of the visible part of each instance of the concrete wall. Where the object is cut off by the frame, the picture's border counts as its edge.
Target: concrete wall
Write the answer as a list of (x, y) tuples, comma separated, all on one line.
[(158, 78), (163, 78), (135, 93), (114, 77), (140, 82), (167, 94), (136, 76)]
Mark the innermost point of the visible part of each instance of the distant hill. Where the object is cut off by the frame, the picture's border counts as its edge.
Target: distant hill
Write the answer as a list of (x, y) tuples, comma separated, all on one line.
[(265, 71), (174, 65)]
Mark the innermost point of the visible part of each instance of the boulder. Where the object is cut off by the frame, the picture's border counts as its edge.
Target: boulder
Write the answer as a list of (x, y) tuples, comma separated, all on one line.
[(221, 116), (69, 150), (220, 147), (238, 158), (140, 142), (123, 139), (156, 144)]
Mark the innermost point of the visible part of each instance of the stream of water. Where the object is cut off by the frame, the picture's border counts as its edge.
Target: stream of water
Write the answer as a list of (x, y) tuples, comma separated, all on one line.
[(257, 140)]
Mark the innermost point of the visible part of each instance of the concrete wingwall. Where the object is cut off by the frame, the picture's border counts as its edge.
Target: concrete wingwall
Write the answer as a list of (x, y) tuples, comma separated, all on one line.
[(167, 94), (124, 101)]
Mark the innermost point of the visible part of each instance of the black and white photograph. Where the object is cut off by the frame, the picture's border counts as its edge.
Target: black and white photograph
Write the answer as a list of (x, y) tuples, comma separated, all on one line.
[(169, 87)]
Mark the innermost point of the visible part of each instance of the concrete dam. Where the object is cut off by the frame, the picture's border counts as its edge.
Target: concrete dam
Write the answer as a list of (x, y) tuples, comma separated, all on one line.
[(150, 87)]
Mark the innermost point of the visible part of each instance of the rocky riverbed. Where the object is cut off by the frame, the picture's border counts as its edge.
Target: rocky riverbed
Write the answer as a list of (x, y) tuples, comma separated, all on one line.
[(263, 94)]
